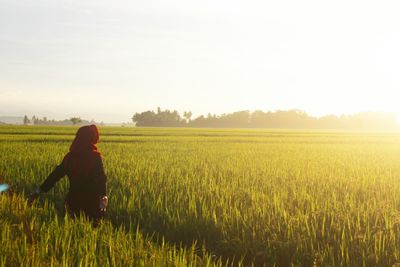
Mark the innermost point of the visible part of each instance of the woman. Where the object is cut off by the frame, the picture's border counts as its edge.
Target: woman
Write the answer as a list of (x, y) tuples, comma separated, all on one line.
[(84, 168)]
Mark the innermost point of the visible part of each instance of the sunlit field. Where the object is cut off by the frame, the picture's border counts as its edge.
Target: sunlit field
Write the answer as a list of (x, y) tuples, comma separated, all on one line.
[(201, 197)]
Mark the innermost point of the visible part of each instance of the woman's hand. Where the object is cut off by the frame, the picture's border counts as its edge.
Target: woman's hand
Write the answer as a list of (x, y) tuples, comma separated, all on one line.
[(33, 196), (103, 203)]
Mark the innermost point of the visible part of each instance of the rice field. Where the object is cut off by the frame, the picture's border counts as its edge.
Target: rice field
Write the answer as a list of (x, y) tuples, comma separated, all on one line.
[(204, 197)]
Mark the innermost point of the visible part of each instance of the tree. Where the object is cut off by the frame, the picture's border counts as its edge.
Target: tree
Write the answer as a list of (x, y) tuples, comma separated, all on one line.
[(163, 118), (26, 120), (75, 120), (188, 115), (35, 120)]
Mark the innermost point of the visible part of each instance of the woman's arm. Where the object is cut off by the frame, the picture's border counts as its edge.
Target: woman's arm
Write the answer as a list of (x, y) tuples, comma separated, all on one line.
[(102, 185), (50, 181), (101, 178), (58, 173)]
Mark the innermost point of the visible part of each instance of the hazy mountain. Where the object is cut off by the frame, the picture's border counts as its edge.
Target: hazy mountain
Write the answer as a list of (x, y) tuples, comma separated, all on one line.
[(11, 120)]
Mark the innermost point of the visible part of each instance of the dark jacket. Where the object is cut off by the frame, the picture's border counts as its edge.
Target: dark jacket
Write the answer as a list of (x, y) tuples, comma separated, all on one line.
[(84, 192)]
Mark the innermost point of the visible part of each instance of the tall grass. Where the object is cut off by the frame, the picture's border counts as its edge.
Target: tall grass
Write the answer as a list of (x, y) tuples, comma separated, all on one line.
[(261, 197), (39, 237)]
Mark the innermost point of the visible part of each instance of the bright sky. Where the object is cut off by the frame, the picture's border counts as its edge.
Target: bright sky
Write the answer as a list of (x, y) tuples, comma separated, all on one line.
[(107, 60)]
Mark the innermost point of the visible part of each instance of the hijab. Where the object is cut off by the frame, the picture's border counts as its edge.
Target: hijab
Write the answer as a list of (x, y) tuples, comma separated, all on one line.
[(83, 152)]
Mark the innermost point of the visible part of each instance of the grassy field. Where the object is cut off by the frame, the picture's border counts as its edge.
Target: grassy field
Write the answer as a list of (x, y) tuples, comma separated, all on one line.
[(194, 197)]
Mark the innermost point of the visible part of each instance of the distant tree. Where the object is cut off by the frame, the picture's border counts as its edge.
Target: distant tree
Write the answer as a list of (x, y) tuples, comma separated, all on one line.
[(35, 120), (163, 118), (188, 115), (147, 118), (26, 120), (75, 120)]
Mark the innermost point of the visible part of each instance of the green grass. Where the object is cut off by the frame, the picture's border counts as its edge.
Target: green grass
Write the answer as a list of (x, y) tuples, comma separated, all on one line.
[(38, 237), (197, 196)]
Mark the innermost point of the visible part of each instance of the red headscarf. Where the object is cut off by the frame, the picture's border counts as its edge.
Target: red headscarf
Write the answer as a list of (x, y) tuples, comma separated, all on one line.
[(85, 140), (83, 151)]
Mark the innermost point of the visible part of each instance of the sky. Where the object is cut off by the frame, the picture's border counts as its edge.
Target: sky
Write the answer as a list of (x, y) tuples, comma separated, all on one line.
[(106, 60)]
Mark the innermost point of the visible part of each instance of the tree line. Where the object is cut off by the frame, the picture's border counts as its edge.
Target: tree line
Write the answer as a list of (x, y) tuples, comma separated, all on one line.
[(295, 119), (44, 121)]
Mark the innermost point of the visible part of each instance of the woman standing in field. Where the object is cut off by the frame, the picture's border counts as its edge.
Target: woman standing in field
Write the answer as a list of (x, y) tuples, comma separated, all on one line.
[(84, 168)]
